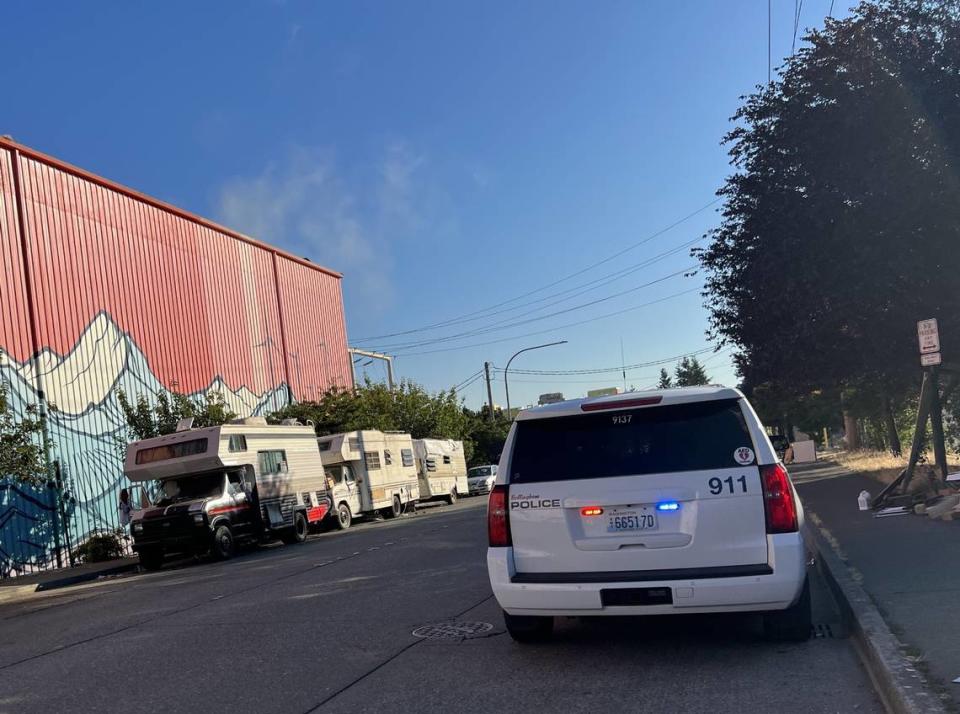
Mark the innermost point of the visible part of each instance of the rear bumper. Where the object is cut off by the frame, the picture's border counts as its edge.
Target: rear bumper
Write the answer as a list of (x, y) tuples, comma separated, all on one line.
[(772, 586)]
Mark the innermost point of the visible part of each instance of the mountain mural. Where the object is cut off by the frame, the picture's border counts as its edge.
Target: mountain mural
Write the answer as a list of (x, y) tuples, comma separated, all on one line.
[(86, 428)]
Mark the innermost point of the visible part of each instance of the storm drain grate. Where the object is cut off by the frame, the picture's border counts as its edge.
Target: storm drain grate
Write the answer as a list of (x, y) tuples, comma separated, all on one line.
[(452, 630), (822, 631)]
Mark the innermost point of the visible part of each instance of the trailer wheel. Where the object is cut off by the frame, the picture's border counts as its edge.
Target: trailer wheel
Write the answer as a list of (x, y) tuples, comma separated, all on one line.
[(297, 534), (344, 516), (223, 545), (151, 558), (452, 498), (395, 509)]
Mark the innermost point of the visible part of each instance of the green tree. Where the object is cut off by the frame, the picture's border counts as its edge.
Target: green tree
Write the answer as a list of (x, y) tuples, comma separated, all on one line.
[(665, 380), (839, 225), (21, 443), (689, 373), (146, 420)]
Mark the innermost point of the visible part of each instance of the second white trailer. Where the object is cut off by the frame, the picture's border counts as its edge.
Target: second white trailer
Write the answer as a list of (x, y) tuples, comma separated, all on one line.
[(442, 469)]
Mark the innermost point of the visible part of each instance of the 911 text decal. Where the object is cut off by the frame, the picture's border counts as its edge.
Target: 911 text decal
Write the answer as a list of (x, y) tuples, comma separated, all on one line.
[(718, 485)]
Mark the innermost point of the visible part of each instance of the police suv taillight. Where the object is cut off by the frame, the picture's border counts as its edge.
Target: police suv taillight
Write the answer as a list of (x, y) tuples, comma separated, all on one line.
[(498, 518), (778, 501)]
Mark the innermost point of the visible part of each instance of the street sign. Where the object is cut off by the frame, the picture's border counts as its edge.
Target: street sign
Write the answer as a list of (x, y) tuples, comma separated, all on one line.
[(930, 360), (929, 336)]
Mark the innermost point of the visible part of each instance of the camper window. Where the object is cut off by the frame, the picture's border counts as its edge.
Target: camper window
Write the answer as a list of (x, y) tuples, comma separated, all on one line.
[(372, 459), (431, 464), (446, 459), (354, 443), (325, 445), (238, 442), (171, 451), (271, 462), (387, 457), (406, 455)]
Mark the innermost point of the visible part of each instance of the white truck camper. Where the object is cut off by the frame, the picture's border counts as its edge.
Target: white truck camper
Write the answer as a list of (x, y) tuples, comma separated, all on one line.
[(368, 472), (442, 469), (221, 485)]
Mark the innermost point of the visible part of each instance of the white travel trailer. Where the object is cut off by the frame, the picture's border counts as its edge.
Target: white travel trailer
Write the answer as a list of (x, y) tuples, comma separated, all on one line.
[(442, 469), (369, 471), (216, 486)]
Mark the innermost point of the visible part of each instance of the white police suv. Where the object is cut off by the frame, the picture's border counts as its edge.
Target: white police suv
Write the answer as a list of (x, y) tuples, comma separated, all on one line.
[(651, 503)]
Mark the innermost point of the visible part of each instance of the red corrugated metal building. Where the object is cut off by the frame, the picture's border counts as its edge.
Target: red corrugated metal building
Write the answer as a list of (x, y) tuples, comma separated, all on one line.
[(104, 289)]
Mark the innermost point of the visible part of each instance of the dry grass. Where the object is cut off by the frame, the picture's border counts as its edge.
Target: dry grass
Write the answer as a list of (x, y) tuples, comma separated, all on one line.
[(882, 466)]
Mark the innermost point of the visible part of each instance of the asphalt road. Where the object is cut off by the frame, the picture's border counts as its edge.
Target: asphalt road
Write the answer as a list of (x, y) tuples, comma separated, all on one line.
[(327, 626)]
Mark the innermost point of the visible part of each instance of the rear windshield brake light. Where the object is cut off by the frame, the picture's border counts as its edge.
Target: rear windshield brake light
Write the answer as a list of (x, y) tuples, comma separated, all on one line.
[(620, 404)]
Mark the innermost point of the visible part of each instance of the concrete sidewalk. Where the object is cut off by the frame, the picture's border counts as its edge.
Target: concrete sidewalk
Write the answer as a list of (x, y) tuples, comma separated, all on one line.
[(905, 563), (13, 589)]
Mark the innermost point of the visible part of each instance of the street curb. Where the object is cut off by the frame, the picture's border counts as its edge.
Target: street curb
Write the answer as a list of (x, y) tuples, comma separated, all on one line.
[(900, 686), (16, 593), (86, 577)]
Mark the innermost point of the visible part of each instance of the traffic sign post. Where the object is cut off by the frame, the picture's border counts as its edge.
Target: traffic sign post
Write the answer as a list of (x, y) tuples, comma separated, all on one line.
[(929, 335), (930, 408)]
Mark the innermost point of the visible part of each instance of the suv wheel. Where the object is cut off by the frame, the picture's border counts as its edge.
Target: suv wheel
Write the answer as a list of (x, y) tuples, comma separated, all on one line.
[(528, 628), (793, 624)]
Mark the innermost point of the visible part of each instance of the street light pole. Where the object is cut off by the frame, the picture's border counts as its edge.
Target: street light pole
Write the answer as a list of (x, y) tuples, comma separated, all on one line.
[(506, 369)]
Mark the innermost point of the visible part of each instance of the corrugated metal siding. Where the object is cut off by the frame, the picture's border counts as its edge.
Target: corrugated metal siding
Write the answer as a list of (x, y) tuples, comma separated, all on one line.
[(14, 321), (134, 294), (315, 329)]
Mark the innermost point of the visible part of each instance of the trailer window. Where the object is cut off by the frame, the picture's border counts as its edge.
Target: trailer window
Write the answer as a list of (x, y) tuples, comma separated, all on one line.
[(372, 459), (171, 451), (387, 457), (431, 464), (238, 442), (406, 455), (446, 459), (271, 462), (324, 445), (353, 443)]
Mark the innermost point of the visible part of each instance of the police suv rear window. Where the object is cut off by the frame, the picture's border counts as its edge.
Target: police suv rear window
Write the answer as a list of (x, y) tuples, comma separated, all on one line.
[(679, 437)]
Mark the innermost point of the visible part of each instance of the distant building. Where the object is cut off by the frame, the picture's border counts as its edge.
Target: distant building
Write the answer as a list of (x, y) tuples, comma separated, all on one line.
[(551, 398), (604, 392)]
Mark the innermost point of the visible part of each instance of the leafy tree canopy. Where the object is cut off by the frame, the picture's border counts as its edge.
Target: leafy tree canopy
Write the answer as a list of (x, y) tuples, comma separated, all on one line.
[(21, 443), (840, 224), (688, 373)]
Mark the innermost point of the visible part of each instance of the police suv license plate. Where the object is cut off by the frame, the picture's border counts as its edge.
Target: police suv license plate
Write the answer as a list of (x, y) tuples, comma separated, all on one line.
[(635, 518)]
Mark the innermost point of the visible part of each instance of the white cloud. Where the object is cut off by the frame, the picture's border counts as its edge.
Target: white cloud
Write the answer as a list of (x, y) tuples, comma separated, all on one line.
[(303, 205)]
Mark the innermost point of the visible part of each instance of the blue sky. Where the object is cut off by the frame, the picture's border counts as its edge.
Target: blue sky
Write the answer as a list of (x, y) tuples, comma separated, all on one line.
[(446, 157)]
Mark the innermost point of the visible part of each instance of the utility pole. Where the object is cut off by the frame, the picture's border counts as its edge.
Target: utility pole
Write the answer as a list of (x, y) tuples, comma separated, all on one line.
[(486, 368)]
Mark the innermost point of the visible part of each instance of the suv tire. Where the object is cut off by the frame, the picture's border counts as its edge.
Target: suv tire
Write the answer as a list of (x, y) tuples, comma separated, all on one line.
[(793, 624), (528, 629)]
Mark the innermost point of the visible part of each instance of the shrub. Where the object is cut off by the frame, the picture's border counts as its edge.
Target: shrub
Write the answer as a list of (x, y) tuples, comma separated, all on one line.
[(100, 546)]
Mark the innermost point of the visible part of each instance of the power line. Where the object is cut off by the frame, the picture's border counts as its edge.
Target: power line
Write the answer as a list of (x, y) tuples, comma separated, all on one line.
[(497, 326), (569, 293), (581, 271), (797, 9), (468, 379), (461, 387), (552, 329)]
